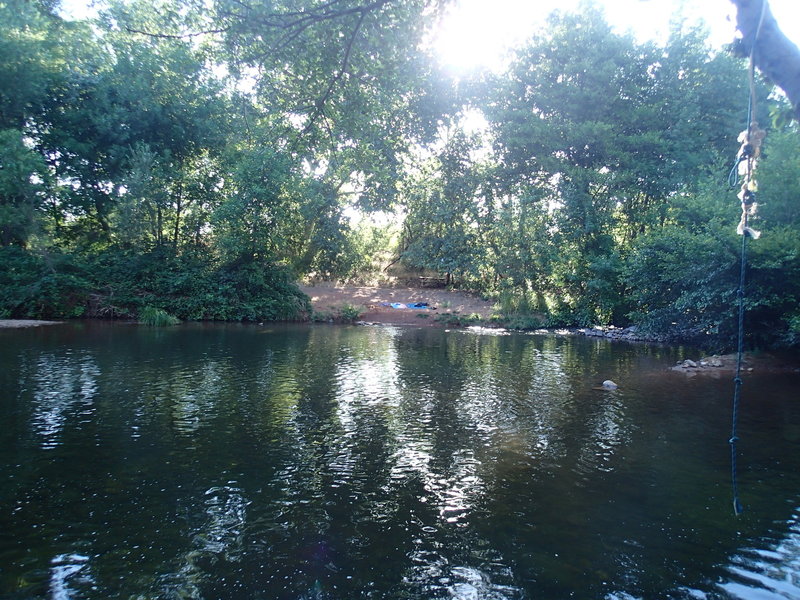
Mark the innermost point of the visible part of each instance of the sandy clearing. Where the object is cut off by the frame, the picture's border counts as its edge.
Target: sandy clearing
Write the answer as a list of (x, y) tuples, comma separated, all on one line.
[(375, 299)]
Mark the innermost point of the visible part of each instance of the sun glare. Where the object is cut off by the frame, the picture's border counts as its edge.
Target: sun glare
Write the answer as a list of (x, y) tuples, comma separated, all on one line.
[(477, 34)]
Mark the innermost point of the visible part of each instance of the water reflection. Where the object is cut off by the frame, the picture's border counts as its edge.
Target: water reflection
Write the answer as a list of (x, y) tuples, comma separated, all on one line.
[(321, 462), (223, 531), (194, 395), (65, 386), (607, 430)]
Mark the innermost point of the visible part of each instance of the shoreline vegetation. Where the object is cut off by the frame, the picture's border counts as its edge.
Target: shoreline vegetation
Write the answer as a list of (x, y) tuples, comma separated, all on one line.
[(149, 180), (714, 365), (373, 306)]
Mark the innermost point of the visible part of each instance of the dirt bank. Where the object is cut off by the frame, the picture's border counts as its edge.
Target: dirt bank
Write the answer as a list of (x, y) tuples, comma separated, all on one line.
[(376, 302)]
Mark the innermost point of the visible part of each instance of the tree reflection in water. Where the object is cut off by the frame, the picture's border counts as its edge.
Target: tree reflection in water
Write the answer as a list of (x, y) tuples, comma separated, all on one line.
[(335, 462)]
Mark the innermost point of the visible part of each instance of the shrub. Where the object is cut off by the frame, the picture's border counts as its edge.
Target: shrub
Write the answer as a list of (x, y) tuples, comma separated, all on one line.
[(192, 288), (41, 287), (322, 316), (156, 317), (350, 312), (520, 322), (454, 319), (519, 309), (346, 313), (683, 284)]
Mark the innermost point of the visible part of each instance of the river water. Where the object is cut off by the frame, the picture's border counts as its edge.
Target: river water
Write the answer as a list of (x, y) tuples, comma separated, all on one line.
[(321, 462)]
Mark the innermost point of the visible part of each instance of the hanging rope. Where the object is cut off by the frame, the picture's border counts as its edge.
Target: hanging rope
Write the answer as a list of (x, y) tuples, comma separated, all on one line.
[(743, 170), (737, 382)]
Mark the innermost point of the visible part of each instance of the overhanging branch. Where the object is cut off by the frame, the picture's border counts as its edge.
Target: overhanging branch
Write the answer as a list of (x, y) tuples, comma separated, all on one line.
[(775, 55)]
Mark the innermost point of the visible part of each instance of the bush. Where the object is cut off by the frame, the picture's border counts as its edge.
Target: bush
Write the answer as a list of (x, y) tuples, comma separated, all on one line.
[(454, 319), (322, 316), (116, 283), (191, 288), (51, 286), (346, 313), (349, 312), (519, 309), (683, 285), (520, 322)]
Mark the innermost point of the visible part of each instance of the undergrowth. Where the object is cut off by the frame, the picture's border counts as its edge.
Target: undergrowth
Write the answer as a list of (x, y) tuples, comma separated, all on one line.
[(455, 319), (345, 313), (115, 283)]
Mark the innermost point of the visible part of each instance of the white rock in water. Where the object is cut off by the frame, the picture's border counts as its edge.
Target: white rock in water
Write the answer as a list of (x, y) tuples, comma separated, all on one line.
[(610, 385)]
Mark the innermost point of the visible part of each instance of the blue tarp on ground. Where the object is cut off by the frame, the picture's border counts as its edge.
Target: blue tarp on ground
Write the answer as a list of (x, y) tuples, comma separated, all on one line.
[(410, 305)]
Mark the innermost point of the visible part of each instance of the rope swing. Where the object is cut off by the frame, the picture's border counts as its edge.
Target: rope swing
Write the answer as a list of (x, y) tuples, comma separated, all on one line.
[(751, 140)]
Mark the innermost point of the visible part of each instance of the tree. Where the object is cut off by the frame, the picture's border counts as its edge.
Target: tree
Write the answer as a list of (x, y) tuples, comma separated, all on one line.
[(443, 228), (122, 95), (608, 131), (351, 79), (24, 182), (683, 277)]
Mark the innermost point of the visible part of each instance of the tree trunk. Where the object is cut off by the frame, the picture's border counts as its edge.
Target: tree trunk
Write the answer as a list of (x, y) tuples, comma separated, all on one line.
[(178, 207), (159, 227), (775, 56)]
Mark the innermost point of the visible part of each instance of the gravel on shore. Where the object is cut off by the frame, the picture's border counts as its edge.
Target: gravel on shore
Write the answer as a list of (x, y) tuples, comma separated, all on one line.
[(18, 323)]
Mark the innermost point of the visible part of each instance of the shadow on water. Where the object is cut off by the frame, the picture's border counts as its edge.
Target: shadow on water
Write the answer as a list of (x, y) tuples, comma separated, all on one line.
[(288, 461)]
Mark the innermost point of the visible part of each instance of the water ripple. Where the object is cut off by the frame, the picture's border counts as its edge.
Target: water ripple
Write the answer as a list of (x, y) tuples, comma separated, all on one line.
[(771, 573), (67, 571)]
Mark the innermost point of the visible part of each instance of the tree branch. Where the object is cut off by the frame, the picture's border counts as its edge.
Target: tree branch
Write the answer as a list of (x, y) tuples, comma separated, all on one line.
[(322, 100), (175, 36), (775, 55), (294, 22), (299, 19)]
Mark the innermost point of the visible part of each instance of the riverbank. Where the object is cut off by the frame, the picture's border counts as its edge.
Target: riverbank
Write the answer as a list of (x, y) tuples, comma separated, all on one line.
[(390, 306), (401, 306)]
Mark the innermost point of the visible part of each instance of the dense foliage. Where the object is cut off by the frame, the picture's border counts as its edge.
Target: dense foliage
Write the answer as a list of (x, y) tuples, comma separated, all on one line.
[(197, 158)]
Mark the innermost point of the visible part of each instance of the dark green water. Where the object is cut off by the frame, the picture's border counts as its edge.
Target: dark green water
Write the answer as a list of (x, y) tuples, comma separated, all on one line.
[(323, 462)]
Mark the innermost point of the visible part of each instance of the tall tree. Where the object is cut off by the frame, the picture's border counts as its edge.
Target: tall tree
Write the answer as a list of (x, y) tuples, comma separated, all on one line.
[(446, 213)]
